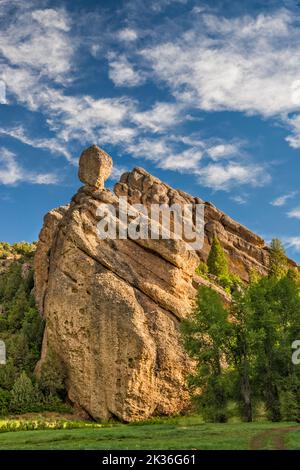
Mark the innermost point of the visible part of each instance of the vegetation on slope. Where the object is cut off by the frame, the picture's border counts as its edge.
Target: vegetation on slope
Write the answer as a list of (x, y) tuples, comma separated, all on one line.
[(20, 248), (217, 269), (21, 329), (244, 351)]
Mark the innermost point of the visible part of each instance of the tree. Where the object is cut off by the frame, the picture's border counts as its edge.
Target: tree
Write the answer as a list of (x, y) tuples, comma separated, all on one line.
[(53, 374), (278, 259), (22, 395), (4, 401), (241, 352), (244, 352), (206, 334), (217, 260), (275, 304), (8, 374)]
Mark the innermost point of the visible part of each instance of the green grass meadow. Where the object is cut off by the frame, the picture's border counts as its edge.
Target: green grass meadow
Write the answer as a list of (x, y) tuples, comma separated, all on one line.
[(173, 433)]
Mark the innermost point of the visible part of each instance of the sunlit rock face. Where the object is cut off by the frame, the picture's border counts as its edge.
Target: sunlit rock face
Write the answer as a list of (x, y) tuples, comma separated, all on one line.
[(113, 307)]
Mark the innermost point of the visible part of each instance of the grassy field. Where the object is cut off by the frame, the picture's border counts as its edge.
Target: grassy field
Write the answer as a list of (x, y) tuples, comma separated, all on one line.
[(176, 433)]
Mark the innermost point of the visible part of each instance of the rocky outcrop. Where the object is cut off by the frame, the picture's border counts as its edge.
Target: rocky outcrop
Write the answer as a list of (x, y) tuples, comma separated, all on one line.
[(246, 251), (94, 167), (113, 307), (112, 311)]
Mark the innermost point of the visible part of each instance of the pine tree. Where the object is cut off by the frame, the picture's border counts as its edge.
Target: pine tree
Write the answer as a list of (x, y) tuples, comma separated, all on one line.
[(278, 259), (22, 395), (217, 260)]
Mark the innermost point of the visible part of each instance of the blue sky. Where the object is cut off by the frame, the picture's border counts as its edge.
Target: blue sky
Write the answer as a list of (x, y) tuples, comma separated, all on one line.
[(205, 95)]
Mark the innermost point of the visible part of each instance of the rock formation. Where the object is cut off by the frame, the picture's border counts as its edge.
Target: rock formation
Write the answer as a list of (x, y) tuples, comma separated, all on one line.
[(113, 307), (246, 251)]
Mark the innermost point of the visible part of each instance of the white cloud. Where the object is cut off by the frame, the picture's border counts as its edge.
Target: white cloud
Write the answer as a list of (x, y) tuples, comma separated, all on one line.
[(294, 213), (39, 53), (127, 35), (246, 64), (164, 152), (205, 67), (222, 150), (12, 173), (150, 149), (282, 200), (39, 47), (292, 242), (2, 92), (159, 117), (223, 177), (86, 118), (56, 147), (239, 199), (116, 135), (50, 18), (184, 161), (122, 73), (294, 138)]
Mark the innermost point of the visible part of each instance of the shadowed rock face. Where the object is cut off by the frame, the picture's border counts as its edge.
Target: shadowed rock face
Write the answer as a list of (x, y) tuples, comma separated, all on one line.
[(113, 307)]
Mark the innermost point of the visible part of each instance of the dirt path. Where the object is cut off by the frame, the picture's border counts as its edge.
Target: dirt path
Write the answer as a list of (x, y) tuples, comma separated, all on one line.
[(276, 435)]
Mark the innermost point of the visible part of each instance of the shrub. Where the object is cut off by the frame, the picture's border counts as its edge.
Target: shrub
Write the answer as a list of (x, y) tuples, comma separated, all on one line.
[(4, 401), (23, 395), (202, 270)]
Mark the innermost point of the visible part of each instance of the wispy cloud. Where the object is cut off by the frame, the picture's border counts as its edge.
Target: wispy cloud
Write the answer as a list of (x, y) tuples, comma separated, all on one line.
[(211, 63), (224, 63), (292, 242), (11, 173), (122, 73), (159, 118), (294, 213), (239, 199), (28, 43), (282, 200), (55, 147), (199, 159)]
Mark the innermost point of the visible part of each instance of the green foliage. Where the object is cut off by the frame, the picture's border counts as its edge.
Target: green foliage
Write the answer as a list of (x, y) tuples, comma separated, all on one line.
[(202, 270), (21, 327), (289, 405), (4, 402), (243, 353), (217, 269), (20, 248), (275, 305), (217, 260), (278, 259), (53, 374), (13, 425), (205, 335), (23, 395)]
